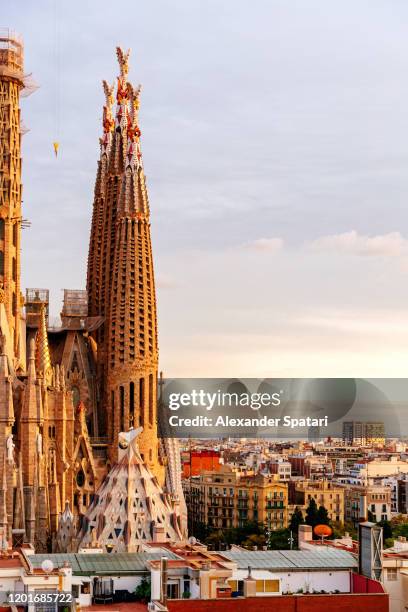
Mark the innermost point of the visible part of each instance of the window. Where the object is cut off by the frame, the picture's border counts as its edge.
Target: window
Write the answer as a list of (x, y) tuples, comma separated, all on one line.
[(267, 586), (122, 408), (392, 574), (151, 399), (141, 400), (75, 396), (1, 229), (80, 479), (271, 586), (131, 403)]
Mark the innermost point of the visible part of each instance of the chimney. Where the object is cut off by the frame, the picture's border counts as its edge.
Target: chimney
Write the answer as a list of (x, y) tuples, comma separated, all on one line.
[(163, 573), (159, 534), (305, 535), (363, 508), (249, 584)]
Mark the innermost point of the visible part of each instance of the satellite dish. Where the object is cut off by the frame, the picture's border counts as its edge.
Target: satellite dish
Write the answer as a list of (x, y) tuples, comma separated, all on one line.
[(47, 566), (192, 541)]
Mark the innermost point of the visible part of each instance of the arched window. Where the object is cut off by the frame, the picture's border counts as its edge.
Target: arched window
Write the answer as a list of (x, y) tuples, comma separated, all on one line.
[(141, 401), (131, 403), (76, 396), (122, 408), (2, 229), (151, 398)]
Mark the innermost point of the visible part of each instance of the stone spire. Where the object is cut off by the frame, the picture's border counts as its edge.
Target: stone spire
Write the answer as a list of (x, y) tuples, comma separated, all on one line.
[(3, 499), (42, 355), (120, 279), (32, 397), (6, 391), (11, 85), (31, 421), (65, 541)]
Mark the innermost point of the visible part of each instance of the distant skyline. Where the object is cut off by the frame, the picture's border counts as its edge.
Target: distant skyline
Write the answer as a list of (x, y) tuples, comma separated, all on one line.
[(275, 144)]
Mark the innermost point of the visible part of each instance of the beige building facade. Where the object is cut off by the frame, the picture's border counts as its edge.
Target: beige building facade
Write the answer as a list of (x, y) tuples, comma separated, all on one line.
[(229, 498)]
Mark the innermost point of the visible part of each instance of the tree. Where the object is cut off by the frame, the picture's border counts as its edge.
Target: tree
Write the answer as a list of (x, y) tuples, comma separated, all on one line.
[(311, 513), (279, 539), (400, 529), (254, 540), (322, 516), (387, 529), (215, 540), (143, 591), (295, 520), (200, 531)]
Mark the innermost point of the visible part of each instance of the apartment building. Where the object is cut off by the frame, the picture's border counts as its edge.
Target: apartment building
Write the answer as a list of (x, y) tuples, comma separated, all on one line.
[(361, 433), (281, 467), (327, 494), (229, 498), (361, 499)]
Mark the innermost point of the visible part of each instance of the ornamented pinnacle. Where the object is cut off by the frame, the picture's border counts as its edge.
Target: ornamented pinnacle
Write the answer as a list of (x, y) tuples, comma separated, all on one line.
[(42, 357), (133, 131), (108, 121), (123, 59)]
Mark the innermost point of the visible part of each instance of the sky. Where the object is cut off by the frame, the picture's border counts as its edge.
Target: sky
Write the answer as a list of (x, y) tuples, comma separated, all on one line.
[(275, 144)]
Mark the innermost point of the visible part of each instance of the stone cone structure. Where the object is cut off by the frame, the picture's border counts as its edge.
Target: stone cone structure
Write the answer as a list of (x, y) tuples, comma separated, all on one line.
[(65, 541), (130, 507)]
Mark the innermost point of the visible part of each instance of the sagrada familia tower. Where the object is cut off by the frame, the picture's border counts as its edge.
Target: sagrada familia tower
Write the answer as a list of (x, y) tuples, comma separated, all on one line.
[(78, 402)]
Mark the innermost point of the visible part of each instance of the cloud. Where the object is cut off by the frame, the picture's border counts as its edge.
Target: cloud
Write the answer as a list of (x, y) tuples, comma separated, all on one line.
[(353, 243), (265, 244)]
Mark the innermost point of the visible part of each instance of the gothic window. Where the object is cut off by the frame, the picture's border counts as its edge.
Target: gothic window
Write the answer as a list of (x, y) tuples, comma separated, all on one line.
[(131, 403), (2, 263), (15, 232), (1, 229), (141, 400), (151, 399), (76, 396), (74, 363), (122, 408), (80, 478)]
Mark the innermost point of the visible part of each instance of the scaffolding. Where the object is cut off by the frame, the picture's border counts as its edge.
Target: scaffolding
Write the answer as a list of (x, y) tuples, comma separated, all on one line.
[(35, 298), (11, 53), (12, 61), (75, 303)]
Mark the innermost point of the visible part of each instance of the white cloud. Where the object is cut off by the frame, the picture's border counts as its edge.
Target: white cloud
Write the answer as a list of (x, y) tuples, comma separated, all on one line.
[(265, 244), (353, 243)]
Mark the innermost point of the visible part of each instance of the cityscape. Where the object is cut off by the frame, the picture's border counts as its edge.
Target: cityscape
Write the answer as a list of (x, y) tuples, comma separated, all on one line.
[(99, 507)]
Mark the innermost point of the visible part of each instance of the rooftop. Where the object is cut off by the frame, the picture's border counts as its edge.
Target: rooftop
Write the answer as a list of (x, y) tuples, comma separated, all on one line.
[(86, 564), (326, 558)]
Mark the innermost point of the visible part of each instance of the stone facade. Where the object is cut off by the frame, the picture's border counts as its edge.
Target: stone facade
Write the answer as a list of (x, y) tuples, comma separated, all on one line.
[(121, 277), (66, 393)]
